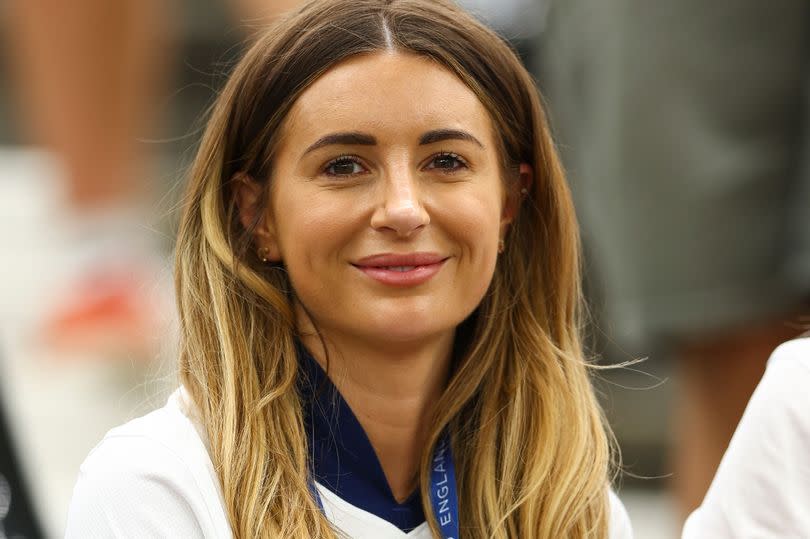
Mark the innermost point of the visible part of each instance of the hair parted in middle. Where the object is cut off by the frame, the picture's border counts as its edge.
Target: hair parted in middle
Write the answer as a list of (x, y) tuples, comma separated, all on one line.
[(533, 453)]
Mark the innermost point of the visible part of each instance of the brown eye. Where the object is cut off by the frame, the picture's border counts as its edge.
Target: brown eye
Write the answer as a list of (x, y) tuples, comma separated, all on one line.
[(448, 162), (343, 166)]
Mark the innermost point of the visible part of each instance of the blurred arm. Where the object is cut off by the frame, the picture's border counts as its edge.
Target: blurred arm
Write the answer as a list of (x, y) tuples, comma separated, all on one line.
[(762, 488)]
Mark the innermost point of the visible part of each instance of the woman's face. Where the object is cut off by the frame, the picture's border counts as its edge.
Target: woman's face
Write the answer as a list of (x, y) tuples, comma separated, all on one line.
[(387, 201)]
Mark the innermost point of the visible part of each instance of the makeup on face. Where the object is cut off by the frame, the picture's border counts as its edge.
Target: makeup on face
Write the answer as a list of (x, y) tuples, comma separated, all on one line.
[(387, 200)]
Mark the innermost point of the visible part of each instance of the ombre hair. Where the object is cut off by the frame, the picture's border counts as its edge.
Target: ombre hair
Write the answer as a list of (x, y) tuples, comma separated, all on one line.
[(533, 453)]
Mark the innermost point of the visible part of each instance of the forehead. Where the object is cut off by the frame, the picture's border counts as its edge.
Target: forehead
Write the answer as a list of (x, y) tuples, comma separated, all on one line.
[(391, 94)]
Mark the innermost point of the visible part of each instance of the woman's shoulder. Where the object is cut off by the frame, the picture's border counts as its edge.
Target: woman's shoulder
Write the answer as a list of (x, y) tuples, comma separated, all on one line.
[(175, 425), (153, 473), (170, 433)]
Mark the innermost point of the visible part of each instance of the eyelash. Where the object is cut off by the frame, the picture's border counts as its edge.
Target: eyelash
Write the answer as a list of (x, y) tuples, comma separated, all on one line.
[(356, 160), (339, 160), (451, 155)]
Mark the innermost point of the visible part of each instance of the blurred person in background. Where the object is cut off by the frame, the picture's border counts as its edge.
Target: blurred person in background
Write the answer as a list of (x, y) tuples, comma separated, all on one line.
[(762, 487), (89, 79), (90, 75), (86, 75), (378, 282), (684, 129)]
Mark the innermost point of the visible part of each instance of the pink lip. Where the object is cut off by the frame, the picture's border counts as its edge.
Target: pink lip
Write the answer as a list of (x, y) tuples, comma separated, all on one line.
[(379, 267)]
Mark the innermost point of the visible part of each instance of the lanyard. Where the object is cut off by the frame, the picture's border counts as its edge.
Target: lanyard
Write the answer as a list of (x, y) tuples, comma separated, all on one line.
[(443, 493)]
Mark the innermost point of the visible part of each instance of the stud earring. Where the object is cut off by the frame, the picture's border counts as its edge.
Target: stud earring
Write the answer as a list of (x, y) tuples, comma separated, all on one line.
[(264, 253), (501, 245), (524, 192)]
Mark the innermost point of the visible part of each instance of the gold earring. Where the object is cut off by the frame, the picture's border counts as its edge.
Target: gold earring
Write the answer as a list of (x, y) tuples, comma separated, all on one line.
[(264, 253), (501, 245)]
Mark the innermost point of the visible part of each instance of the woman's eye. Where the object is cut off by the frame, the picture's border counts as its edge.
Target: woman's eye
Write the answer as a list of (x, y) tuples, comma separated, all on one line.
[(343, 166), (447, 162)]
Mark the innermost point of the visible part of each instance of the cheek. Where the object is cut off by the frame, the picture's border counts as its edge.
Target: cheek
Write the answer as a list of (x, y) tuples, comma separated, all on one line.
[(314, 230), (474, 219), (473, 224), (308, 226), (304, 235)]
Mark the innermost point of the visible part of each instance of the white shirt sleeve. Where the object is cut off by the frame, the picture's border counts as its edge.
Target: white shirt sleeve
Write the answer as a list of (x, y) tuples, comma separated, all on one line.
[(620, 527), (762, 487), (135, 487)]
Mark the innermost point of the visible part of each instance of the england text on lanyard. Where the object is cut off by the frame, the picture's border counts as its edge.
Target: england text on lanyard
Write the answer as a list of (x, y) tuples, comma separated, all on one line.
[(443, 493)]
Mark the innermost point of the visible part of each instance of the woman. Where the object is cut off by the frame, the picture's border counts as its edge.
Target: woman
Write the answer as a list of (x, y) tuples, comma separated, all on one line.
[(377, 271)]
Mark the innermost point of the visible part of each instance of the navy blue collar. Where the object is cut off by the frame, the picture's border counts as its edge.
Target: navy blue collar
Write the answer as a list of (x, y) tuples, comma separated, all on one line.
[(342, 458)]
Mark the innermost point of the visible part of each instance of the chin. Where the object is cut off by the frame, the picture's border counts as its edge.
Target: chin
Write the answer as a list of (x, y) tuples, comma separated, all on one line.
[(403, 335), (409, 325)]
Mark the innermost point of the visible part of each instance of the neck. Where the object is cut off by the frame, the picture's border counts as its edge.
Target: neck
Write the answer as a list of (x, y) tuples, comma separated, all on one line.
[(392, 391)]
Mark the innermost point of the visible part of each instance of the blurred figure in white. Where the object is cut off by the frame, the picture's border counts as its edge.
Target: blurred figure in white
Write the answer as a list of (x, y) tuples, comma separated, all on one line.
[(88, 74), (684, 129), (85, 303), (762, 488)]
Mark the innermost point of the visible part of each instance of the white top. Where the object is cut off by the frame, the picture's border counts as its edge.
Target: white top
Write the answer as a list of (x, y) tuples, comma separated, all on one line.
[(762, 487), (153, 477)]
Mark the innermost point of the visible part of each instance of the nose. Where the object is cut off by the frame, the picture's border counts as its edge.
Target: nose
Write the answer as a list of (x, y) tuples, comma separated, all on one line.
[(401, 208)]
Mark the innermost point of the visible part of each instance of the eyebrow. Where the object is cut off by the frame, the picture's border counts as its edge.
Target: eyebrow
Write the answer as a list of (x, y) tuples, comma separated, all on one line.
[(354, 138), (347, 139), (439, 135)]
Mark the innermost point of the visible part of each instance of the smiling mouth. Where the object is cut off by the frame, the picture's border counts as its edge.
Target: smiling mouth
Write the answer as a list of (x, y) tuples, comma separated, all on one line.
[(401, 270)]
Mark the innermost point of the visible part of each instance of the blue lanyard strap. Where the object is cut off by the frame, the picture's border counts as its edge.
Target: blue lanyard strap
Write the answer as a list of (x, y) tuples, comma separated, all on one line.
[(443, 493)]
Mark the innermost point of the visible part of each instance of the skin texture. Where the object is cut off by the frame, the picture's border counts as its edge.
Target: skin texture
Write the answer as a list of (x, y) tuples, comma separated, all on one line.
[(388, 347)]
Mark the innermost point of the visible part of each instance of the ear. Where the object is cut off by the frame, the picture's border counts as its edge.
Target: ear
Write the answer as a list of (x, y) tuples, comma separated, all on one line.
[(515, 197), (253, 215)]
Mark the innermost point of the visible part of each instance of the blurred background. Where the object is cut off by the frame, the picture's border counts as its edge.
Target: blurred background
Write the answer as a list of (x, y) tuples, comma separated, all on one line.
[(682, 125)]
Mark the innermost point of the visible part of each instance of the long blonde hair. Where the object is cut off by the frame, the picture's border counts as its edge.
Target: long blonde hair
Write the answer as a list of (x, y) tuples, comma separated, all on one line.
[(532, 451)]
